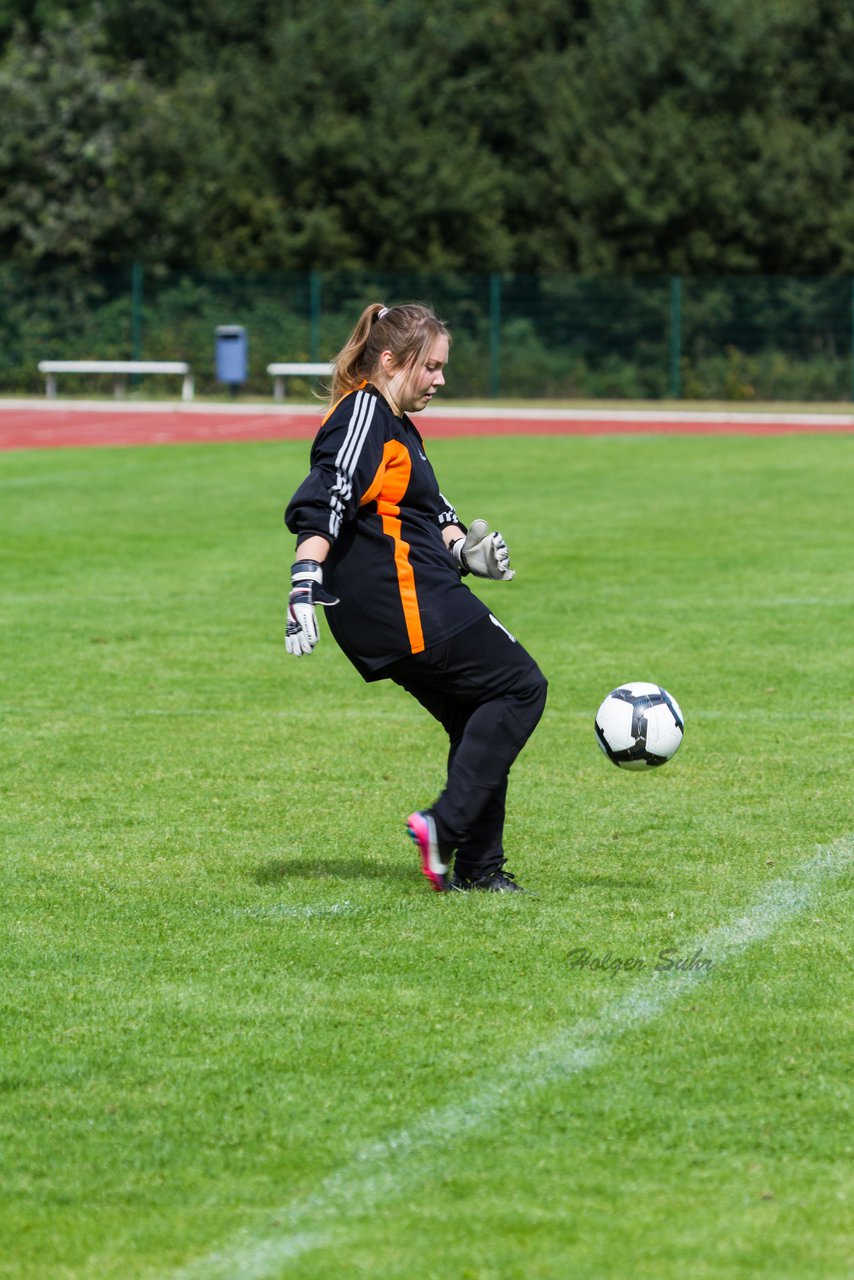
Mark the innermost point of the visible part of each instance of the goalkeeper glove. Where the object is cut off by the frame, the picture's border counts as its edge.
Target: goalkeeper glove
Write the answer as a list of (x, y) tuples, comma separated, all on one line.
[(301, 633), (483, 554)]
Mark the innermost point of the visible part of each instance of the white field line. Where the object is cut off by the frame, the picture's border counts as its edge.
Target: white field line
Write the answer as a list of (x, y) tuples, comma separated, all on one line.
[(803, 419), (55, 477), (391, 1167), (299, 911), (316, 409), (258, 410)]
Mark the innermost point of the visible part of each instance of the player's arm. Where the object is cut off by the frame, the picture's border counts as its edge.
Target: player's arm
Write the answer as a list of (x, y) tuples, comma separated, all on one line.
[(313, 547), (342, 463), (345, 459), (475, 550), (479, 551), (307, 591)]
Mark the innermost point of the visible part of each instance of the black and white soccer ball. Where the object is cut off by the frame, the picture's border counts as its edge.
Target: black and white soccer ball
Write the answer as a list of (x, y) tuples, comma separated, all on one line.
[(639, 726)]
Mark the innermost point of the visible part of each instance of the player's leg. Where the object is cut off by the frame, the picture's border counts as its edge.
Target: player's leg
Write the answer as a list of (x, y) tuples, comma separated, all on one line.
[(489, 694), (482, 853), (470, 812)]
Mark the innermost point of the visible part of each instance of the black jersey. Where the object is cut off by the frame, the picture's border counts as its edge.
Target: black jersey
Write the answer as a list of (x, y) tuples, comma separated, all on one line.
[(372, 494)]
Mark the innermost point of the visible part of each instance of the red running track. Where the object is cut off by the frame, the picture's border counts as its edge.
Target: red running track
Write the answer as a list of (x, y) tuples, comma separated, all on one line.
[(34, 425)]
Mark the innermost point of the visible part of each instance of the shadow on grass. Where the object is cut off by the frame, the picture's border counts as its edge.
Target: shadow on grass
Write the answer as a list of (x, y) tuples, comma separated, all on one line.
[(279, 870), (610, 882)]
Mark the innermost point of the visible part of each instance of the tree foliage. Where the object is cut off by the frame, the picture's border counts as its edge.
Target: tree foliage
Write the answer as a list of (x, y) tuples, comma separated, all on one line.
[(593, 136)]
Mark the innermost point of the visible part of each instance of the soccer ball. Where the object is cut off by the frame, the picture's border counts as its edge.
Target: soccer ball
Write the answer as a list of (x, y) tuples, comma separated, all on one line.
[(639, 726)]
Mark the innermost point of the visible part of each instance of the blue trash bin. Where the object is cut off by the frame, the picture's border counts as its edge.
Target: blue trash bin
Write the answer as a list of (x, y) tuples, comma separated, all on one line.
[(232, 354)]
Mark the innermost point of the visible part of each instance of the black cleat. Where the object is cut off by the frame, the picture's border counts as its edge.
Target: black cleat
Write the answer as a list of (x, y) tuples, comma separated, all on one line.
[(493, 882)]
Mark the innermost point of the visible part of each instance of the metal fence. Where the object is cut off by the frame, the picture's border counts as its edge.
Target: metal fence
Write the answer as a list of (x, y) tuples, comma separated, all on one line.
[(515, 336)]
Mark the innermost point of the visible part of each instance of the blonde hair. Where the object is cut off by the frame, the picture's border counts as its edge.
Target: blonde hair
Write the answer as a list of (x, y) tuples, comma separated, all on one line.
[(408, 331)]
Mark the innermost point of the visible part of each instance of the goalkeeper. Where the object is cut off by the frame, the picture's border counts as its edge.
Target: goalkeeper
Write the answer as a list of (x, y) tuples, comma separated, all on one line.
[(386, 553)]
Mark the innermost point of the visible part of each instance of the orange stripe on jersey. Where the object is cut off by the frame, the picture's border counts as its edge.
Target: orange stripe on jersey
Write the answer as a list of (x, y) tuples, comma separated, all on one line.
[(387, 489)]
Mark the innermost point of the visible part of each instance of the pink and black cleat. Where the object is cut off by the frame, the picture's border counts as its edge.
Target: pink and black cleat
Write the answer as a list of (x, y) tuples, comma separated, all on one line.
[(434, 859)]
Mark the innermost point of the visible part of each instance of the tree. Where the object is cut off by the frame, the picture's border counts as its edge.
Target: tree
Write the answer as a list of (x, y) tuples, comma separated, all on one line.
[(592, 136), (70, 186), (703, 138)]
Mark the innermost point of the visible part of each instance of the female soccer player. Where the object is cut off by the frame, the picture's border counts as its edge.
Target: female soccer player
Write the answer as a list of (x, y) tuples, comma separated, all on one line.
[(378, 541)]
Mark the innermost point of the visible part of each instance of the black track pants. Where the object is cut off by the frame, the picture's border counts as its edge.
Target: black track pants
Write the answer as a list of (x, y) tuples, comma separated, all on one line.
[(489, 694)]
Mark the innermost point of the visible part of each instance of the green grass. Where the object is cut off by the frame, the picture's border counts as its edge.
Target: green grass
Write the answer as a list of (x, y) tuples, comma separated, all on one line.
[(232, 1014)]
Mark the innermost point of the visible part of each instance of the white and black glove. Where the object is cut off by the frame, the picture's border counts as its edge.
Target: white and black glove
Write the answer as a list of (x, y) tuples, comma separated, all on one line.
[(307, 590), (482, 553)]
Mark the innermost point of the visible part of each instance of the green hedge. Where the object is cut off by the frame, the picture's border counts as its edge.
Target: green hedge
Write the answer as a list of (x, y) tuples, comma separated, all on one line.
[(533, 337)]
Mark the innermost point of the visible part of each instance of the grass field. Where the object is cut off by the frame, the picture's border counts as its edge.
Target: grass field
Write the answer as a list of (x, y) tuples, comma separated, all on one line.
[(240, 1036)]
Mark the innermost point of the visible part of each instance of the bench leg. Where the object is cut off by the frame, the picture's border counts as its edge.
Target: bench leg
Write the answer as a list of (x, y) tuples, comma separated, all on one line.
[(187, 388), (50, 385)]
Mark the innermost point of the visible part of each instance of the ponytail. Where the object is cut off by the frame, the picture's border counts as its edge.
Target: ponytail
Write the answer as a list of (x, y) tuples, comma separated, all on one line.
[(347, 369)]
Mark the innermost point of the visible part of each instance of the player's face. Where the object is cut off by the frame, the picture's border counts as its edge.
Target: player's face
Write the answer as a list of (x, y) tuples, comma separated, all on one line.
[(412, 389)]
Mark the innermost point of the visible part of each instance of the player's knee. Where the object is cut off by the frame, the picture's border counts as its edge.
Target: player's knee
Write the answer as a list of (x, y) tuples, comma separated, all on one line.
[(532, 698), (541, 693)]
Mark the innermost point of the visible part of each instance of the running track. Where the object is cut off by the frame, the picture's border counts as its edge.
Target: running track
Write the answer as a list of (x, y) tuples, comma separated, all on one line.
[(36, 425)]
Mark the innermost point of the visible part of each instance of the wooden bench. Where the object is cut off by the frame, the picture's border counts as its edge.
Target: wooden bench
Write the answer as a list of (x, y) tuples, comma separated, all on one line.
[(295, 369), (120, 369)]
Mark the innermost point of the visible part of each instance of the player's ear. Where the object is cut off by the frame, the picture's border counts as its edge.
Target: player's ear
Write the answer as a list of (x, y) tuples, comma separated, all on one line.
[(389, 367)]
